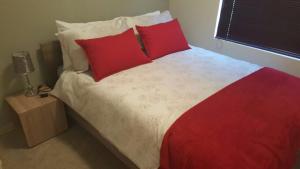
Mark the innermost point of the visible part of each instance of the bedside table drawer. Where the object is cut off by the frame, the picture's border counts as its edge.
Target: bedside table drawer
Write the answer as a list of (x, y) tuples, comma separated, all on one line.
[(43, 123)]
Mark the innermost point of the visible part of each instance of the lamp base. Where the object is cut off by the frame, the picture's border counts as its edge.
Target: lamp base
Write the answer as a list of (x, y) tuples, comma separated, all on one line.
[(30, 92)]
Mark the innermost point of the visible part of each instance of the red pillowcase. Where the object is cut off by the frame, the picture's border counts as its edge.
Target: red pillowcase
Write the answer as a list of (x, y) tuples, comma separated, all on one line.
[(113, 54), (162, 39)]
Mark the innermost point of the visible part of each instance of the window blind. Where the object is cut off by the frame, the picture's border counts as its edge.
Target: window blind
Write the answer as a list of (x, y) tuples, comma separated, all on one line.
[(272, 25)]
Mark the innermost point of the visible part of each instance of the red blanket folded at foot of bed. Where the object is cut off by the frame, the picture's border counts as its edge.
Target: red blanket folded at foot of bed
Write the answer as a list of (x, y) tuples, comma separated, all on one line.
[(252, 124)]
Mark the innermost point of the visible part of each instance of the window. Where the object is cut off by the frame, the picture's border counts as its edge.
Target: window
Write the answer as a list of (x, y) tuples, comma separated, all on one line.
[(272, 25)]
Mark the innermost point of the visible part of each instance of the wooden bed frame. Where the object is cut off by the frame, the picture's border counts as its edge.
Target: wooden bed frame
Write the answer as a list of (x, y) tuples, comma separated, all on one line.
[(52, 58)]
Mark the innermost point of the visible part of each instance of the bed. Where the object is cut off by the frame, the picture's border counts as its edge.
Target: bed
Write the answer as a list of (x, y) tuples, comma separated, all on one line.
[(133, 109)]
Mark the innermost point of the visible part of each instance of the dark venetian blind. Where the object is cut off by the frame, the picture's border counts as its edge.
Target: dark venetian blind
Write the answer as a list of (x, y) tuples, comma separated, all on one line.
[(272, 25)]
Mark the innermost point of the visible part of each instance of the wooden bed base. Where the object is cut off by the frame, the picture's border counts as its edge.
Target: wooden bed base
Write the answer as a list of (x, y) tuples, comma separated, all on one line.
[(51, 59)]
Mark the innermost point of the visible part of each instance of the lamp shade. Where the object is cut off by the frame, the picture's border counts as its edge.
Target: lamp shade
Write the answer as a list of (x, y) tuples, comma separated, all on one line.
[(22, 62)]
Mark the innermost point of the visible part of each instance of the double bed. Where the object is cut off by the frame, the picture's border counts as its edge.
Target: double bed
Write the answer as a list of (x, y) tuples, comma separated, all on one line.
[(134, 108), (131, 111)]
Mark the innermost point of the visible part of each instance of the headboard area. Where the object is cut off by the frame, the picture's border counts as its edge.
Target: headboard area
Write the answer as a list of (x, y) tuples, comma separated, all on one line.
[(52, 60)]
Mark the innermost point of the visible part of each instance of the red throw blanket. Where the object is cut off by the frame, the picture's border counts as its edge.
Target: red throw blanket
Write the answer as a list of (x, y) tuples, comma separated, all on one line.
[(253, 123)]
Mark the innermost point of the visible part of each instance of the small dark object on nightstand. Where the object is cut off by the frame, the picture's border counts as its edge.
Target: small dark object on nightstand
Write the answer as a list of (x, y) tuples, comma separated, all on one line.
[(43, 91), (44, 95)]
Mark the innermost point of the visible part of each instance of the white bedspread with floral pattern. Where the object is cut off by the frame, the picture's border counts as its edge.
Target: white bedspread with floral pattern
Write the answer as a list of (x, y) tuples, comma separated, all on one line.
[(134, 108)]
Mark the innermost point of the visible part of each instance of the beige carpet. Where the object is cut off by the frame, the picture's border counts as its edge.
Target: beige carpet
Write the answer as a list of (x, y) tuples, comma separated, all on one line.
[(74, 149)]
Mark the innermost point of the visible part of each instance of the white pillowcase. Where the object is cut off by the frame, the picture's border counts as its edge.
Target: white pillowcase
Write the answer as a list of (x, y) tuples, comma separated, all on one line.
[(63, 26), (164, 17), (148, 20), (132, 21), (77, 57)]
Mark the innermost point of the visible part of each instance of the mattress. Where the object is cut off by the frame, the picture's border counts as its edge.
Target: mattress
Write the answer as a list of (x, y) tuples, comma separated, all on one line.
[(133, 109)]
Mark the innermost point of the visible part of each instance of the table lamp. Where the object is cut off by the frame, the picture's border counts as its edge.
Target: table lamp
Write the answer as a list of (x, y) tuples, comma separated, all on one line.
[(23, 66)]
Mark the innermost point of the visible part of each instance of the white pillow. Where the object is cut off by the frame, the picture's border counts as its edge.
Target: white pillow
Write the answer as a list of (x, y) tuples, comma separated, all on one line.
[(132, 21), (74, 52), (149, 20), (63, 26), (164, 17), (67, 64)]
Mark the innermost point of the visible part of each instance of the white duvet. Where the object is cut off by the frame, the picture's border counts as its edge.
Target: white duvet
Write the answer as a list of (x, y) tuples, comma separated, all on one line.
[(134, 108)]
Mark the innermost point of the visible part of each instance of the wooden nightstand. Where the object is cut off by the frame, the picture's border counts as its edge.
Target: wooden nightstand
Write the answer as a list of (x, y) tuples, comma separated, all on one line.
[(41, 118)]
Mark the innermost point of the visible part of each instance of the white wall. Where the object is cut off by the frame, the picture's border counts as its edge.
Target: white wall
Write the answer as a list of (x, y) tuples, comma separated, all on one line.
[(198, 19)]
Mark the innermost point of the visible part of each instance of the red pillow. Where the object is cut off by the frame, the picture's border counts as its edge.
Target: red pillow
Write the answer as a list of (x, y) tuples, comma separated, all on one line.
[(113, 54), (162, 39)]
